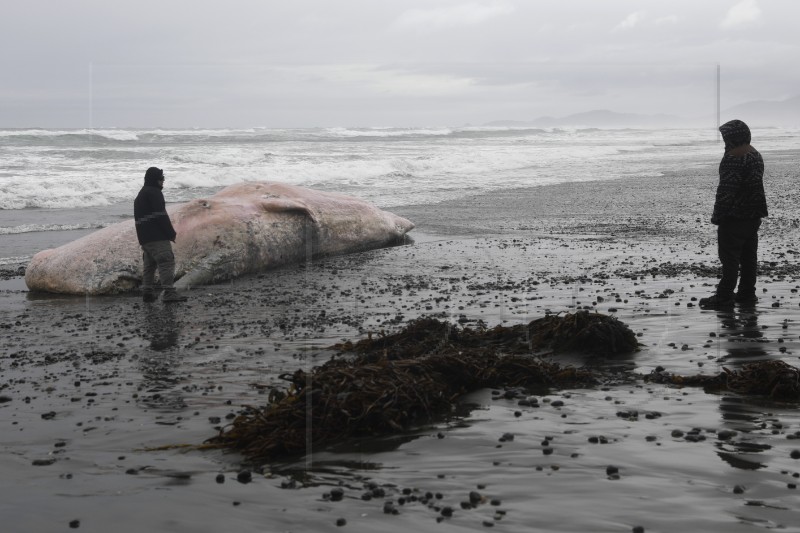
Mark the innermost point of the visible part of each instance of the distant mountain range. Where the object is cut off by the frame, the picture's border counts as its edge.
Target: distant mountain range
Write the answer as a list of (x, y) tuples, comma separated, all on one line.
[(760, 113), (767, 112)]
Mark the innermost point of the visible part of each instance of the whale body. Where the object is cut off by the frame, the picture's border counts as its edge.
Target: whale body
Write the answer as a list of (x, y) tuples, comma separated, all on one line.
[(245, 228)]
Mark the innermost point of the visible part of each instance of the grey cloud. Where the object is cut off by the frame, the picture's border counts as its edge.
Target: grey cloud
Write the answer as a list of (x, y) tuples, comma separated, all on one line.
[(307, 62)]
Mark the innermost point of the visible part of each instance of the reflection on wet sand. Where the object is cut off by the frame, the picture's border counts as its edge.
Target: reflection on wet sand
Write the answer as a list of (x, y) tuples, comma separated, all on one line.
[(742, 419), (743, 415), (161, 327), (159, 364), (745, 337)]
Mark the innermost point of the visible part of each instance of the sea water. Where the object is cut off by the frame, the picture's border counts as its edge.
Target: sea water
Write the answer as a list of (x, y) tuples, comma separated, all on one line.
[(56, 181)]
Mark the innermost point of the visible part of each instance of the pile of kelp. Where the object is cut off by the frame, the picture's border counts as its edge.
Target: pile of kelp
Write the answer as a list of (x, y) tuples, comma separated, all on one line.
[(582, 332), (387, 384), (774, 379), (585, 332)]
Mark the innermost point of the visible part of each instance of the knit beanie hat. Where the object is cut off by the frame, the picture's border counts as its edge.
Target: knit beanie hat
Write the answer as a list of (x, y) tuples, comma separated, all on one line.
[(153, 176), (735, 133)]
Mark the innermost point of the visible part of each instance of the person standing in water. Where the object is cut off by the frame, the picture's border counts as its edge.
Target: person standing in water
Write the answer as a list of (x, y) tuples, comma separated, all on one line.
[(738, 209), (154, 231)]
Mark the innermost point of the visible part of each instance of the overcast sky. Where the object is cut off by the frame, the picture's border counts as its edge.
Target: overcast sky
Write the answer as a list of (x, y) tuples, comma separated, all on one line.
[(305, 63)]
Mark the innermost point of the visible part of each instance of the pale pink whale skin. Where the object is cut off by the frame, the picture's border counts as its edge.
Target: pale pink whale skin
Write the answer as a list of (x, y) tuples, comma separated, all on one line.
[(245, 228)]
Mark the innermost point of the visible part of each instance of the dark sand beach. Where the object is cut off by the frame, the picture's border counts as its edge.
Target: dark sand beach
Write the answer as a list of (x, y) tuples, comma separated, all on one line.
[(88, 385)]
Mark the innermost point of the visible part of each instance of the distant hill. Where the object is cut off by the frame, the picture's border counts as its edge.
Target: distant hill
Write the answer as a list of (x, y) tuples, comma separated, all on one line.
[(766, 112), (757, 113), (600, 118)]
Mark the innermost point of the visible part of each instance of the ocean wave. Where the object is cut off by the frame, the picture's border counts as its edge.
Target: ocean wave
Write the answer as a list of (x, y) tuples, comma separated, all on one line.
[(20, 260), (66, 197), (386, 132), (33, 228), (443, 132), (105, 154), (50, 135), (245, 136), (408, 164)]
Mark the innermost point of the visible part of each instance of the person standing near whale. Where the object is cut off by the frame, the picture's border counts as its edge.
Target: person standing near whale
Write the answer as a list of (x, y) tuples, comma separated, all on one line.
[(738, 209), (154, 231)]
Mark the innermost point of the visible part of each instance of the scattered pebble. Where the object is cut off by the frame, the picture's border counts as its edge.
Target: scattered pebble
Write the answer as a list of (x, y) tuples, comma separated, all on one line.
[(475, 498)]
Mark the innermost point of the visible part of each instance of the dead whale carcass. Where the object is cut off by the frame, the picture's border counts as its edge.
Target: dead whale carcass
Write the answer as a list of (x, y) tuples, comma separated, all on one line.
[(245, 228)]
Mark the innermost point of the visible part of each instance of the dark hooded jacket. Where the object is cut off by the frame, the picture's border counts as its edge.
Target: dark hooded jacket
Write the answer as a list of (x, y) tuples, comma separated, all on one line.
[(149, 211), (740, 193)]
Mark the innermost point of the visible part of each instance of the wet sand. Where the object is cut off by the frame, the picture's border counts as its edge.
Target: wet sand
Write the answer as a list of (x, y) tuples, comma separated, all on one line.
[(87, 384)]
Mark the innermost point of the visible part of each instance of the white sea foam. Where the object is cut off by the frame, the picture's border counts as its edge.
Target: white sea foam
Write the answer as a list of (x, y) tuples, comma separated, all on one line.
[(32, 228), (79, 168), (387, 132), (117, 135), (18, 260), (89, 169)]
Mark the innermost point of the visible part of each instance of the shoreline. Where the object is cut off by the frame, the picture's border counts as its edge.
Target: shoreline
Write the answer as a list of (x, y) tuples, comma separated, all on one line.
[(694, 190), (673, 205)]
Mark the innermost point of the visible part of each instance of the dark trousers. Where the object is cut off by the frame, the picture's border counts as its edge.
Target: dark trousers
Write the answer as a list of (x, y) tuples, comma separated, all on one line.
[(157, 254), (738, 252)]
